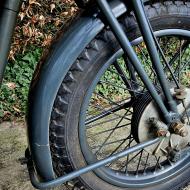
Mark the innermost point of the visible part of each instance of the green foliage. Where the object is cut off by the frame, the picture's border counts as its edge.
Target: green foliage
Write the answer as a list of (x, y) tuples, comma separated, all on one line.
[(15, 87)]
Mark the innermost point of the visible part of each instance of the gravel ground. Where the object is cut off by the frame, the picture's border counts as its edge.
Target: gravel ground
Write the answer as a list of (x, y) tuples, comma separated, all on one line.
[(13, 142)]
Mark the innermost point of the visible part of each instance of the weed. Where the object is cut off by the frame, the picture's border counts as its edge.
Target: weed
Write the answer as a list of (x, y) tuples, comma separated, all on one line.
[(15, 87)]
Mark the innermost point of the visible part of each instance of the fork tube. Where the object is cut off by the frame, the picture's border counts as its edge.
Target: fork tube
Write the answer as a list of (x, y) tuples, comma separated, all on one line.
[(152, 49), (8, 15), (128, 49)]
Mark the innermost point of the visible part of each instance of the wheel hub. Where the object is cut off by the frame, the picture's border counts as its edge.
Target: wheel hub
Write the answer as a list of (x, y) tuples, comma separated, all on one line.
[(145, 110)]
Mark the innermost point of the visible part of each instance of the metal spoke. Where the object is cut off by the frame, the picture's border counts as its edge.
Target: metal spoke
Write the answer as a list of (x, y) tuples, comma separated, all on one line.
[(117, 148), (124, 78), (109, 100), (108, 130), (107, 112), (109, 143), (131, 72), (184, 65), (146, 162), (175, 57), (179, 65), (131, 159), (107, 138), (127, 146), (103, 122), (146, 58), (132, 81), (157, 163), (139, 161), (117, 86), (113, 113)]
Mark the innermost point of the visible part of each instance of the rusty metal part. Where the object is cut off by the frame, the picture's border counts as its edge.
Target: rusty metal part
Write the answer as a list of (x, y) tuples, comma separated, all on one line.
[(180, 93), (160, 128), (147, 128), (174, 154), (179, 129)]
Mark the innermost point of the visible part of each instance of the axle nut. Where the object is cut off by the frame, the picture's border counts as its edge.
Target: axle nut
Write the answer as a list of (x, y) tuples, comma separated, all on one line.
[(180, 129)]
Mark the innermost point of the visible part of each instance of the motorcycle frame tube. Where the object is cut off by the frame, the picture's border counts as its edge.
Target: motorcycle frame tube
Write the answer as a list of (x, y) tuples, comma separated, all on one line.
[(8, 15)]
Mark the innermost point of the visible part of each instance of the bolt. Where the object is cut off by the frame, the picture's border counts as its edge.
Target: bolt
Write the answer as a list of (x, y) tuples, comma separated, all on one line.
[(161, 133), (180, 93), (184, 133), (168, 134), (180, 129)]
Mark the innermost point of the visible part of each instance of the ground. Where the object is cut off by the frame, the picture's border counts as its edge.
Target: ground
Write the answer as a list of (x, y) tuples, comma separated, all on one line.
[(13, 142)]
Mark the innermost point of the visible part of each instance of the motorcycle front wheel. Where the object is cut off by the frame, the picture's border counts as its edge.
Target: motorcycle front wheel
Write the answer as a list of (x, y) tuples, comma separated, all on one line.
[(97, 114)]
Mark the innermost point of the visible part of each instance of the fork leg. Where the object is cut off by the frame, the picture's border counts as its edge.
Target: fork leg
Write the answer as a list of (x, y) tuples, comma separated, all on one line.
[(145, 28), (128, 50)]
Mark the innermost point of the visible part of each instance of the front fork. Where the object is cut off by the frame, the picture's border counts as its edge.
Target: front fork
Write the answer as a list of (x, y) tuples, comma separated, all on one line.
[(170, 113)]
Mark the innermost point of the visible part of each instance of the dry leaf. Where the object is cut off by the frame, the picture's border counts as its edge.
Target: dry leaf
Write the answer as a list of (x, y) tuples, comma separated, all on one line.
[(22, 15), (52, 7), (11, 85), (16, 109)]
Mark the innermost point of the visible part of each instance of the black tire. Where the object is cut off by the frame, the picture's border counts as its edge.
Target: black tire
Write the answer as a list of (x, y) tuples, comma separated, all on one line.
[(64, 132)]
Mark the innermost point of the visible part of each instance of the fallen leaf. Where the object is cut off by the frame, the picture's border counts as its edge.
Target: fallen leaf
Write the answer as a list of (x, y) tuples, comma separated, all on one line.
[(11, 85)]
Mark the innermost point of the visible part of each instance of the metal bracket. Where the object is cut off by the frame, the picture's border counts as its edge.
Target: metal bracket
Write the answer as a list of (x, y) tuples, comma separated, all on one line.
[(58, 181)]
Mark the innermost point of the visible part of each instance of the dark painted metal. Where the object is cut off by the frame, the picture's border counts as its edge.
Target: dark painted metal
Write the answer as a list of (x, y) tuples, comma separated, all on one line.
[(13, 5), (8, 15), (45, 85), (77, 173), (126, 46), (152, 49)]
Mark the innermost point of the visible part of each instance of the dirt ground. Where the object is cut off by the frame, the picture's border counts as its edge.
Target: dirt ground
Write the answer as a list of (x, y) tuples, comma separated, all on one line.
[(13, 142)]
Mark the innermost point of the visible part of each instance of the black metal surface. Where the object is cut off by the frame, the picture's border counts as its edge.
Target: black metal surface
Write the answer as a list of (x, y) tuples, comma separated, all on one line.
[(11, 4), (8, 17)]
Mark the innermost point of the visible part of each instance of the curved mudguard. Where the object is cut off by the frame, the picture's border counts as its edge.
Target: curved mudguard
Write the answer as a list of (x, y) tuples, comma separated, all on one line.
[(47, 81)]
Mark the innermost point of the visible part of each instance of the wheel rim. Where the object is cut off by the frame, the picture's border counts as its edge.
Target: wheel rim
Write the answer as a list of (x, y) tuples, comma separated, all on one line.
[(125, 177)]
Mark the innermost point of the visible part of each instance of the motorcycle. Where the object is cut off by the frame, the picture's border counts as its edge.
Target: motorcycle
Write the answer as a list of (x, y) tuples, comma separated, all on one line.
[(109, 105)]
